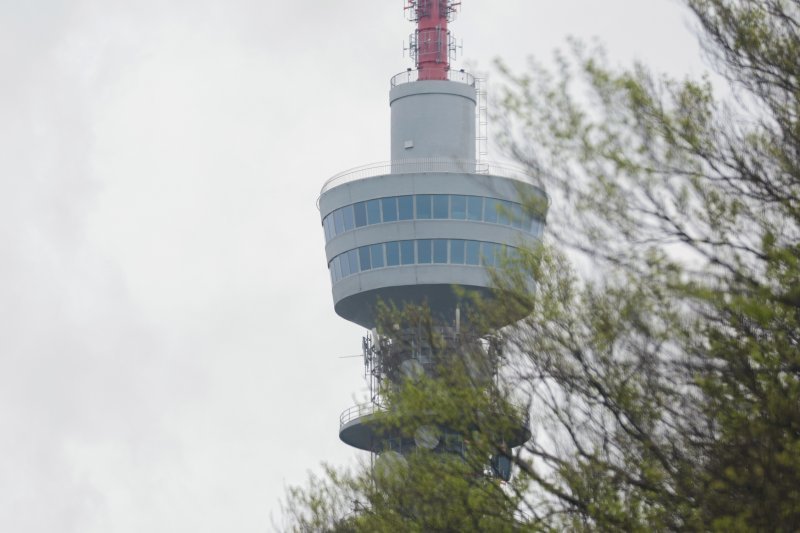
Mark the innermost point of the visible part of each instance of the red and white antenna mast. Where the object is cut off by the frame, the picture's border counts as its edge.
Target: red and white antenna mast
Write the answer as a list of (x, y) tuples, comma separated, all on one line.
[(432, 46)]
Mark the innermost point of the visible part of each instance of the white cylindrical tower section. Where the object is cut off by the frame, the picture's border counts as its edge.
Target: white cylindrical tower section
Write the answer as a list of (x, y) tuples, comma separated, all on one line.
[(433, 119)]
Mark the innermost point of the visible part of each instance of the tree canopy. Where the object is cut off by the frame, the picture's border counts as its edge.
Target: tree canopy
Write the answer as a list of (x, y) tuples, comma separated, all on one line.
[(663, 379)]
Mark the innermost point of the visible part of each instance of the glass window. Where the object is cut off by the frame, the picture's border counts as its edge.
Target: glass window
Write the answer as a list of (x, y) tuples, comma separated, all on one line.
[(473, 252), (440, 251), (490, 212), (474, 208), (373, 212), (536, 228), (389, 206), (352, 260), (376, 255), (424, 251), (363, 258), (337, 266), (360, 212), (441, 204), (503, 212), (458, 207), (333, 274), (326, 227), (516, 215), (349, 222), (500, 254), (457, 252), (338, 220), (392, 253), (405, 206), (527, 222), (407, 252), (488, 257), (424, 206), (343, 265)]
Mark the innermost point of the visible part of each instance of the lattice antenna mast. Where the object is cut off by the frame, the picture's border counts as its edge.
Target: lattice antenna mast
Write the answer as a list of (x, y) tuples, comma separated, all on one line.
[(432, 46)]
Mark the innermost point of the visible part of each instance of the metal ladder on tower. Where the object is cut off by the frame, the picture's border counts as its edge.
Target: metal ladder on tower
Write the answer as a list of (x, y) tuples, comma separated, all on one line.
[(482, 131)]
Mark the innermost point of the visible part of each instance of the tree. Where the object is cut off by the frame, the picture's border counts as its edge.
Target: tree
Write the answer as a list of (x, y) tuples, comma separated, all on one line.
[(672, 375), (452, 482), (663, 380)]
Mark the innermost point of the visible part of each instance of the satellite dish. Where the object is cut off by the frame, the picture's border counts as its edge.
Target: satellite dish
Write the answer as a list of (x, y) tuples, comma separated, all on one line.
[(412, 369), (427, 437)]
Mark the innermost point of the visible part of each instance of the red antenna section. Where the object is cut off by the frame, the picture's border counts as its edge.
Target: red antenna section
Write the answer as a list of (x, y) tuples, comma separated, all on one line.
[(432, 46)]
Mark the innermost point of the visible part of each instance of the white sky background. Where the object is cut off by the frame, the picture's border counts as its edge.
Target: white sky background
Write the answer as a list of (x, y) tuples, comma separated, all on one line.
[(168, 345)]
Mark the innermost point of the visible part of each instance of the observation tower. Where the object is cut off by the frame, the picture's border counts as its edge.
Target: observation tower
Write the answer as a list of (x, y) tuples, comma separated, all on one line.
[(423, 228)]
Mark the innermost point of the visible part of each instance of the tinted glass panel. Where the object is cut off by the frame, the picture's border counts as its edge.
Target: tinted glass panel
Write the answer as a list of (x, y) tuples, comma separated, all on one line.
[(405, 205), (487, 254), (503, 213), (337, 269), (490, 211), (360, 211), (473, 253), (376, 255), (392, 253), (458, 207), (352, 259), (428, 251), (424, 251), (474, 208), (527, 222), (440, 251), (424, 206), (374, 212), (516, 215), (326, 227), (389, 209), (440, 205), (407, 252), (349, 221), (363, 258), (457, 252), (338, 220)]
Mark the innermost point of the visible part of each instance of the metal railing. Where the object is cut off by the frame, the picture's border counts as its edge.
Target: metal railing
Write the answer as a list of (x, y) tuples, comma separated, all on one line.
[(366, 409), (430, 165), (357, 411), (410, 76)]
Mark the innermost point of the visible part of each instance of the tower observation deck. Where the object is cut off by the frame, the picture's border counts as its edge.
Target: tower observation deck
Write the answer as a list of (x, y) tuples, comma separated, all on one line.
[(425, 227)]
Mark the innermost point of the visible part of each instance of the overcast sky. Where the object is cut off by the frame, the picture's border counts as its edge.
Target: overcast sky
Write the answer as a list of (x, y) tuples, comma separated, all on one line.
[(169, 353)]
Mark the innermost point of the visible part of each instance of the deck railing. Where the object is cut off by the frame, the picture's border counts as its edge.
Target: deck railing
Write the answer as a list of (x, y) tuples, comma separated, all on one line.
[(410, 76), (357, 411), (429, 165)]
